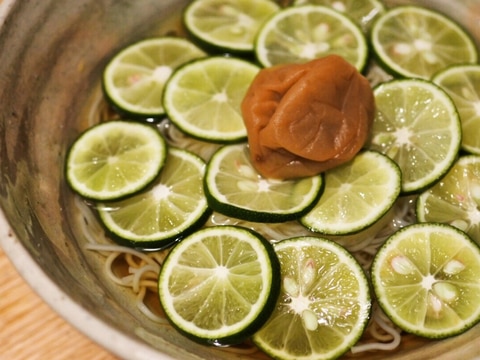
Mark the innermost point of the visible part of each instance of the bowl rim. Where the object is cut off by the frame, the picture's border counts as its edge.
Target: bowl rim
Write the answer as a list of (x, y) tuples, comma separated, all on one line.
[(61, 303), (98, 331)]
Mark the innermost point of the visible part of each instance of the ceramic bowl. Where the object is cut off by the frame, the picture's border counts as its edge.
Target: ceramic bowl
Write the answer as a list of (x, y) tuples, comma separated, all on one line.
[(51, 57)]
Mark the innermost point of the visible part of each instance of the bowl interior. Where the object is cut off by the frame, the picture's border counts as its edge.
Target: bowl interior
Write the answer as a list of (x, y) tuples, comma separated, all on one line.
[(52, 58)]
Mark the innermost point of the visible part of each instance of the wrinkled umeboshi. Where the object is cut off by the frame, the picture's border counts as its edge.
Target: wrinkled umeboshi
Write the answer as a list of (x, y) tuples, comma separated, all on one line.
[(303, 119)]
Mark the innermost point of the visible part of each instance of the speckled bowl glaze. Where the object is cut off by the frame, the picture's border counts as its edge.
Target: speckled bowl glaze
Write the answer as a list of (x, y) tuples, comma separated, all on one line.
[(51, 57)]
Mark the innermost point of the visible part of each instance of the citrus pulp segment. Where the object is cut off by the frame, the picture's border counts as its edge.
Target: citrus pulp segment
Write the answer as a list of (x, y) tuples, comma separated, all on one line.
[(133, 81), (356, 195), (455, 199), (203, 98), (220, 284), (363, 12), (115, 159), (417, 125), (227, 25), (299, 34), (172, 207), (236, 189), (462, 83), (426, 279), (324, 303), (412, 41)]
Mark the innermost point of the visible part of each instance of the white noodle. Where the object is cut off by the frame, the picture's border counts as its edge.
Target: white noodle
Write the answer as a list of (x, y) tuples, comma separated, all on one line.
[(394, 336), (177, 138), (139, 272), (109, 269), (124, 250), (139, 302)]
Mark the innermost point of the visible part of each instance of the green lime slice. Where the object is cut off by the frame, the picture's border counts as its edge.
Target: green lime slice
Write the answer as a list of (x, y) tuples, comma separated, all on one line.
[(227, 25), (455, 199), (203, 98), (417, 125), (115, 159), (134, 79), (172, 207), (236, 189), (363, 12), (425, 278), (356, 195), (219, 285), (299, 34), (462, 83), (412, 41), (324, 303)]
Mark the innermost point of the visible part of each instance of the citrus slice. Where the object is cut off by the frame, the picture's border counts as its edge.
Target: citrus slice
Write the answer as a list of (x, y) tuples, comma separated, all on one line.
[(172, 207), (356, 195), (455, 199), (219, 285), (134, 79), (236, 189), (324, 303), (299, 34), (425, 278), (203, 98), (227, 25), (412, 41), (363, 12), (115, 159), (417, 125), (462, 83)]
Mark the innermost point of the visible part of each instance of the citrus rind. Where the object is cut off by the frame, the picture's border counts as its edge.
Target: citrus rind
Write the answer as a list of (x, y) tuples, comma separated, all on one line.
[(462, 84), (134, 79), (356, 195), (115, 159), (171, 208), (226, 25), (416, 125), (415, 42), (203, 98), (234, 188), (454, 199), (299, 34), (425, 278), (219, 285), (324, 304), (363, 12)]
